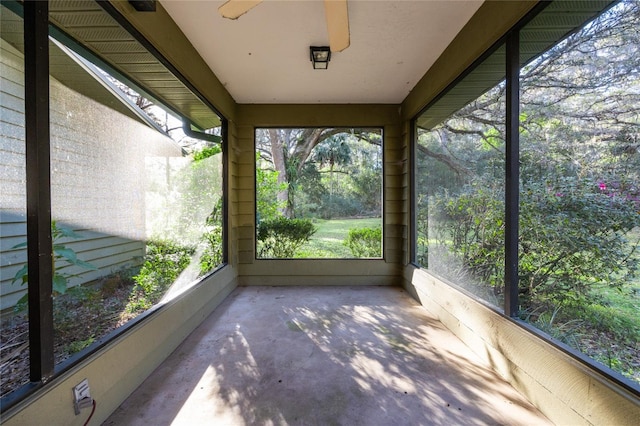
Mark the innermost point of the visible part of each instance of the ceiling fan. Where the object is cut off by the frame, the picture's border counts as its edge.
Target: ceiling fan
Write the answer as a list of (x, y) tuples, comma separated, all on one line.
[(335, 12)]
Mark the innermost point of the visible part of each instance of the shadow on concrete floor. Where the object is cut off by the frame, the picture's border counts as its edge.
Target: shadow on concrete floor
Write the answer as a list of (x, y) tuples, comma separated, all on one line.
[(323, 356)]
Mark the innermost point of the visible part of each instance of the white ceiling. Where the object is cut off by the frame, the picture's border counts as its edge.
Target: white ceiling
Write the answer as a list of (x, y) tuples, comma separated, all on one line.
[(263, 57)]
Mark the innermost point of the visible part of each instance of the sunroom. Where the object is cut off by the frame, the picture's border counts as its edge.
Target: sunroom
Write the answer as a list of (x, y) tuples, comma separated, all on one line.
[(339, 212)]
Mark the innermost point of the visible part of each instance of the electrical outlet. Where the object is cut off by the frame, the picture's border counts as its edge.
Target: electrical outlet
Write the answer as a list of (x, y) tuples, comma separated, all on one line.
[(81, 396)]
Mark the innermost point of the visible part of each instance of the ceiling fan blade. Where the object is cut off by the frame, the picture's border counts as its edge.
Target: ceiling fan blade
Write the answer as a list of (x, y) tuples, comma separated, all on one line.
[(233, 9), (337, 24)]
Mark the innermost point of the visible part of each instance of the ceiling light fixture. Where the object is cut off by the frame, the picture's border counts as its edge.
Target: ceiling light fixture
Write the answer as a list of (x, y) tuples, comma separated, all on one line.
[(320, 56)]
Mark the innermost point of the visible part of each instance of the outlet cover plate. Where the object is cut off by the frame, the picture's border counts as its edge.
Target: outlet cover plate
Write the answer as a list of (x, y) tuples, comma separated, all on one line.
[(81, 394)]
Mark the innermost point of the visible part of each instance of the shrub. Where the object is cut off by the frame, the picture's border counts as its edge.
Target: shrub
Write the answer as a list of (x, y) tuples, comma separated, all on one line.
[(213, 253), (572, 235), (471, 226), (282, 237), (164, 261), (61, 254), (365, 242), (206, 152)]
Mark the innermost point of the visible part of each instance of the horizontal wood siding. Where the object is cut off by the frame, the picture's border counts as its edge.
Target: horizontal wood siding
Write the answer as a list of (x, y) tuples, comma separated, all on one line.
[(325, 271), (100, 159), (566, 391), (12, 172)]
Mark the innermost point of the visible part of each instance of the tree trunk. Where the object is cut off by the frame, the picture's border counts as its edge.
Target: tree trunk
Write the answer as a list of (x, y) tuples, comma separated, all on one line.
[(279, 162)]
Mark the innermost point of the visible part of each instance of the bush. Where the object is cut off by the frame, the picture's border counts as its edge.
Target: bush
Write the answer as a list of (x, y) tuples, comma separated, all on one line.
[(471, 225), (213, 253), (365, 242), (164, 261), (206, 152), (282, 237), (61, 254), (572, 235)]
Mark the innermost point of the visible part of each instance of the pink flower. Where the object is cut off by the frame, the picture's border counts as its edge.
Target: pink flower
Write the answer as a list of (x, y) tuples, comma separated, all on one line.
[(559, 194), (603, 186)]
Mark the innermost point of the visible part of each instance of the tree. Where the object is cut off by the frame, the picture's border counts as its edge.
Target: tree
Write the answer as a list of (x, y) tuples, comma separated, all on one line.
[(581, 89), (290, 149), (332, 151)]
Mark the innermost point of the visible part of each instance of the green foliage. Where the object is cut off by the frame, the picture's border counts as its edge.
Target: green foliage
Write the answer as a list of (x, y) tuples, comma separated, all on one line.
[(164, 261), (212, 255), (341, 205), (492, 139), (609, 319), (281, 237), (612, 359), (79, 345), (206, 152), (267, 189), (61, 255), (182, 193), (471, 224), (329, 172), (565, 331), (351, 179), (365, 242), (573, 236), (366, 187), (333, 151), (312, 192)]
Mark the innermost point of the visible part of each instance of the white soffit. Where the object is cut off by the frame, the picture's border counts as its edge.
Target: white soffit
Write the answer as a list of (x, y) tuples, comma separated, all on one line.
[(263, 57)]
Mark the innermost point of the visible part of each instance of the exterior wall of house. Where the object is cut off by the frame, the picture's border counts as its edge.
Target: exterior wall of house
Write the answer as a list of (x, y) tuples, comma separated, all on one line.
[(88, 141), (12, 175)]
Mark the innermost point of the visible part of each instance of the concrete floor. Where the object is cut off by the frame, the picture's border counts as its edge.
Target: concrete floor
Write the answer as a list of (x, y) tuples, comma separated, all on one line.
[(323, 356)]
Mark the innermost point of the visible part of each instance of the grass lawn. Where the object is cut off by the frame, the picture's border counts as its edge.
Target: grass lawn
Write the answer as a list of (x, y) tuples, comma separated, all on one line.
[(327, 241), (616, 319)]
